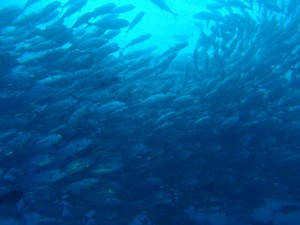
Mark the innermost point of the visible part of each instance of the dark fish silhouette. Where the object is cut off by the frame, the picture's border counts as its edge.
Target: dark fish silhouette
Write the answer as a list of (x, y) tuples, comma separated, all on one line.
[(137, 40), (30, 2), (287, 209), (135, 21), (7, 62), (163, 6), (11, 197)]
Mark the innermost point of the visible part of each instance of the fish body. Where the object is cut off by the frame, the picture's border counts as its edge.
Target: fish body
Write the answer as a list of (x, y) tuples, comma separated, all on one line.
[(73, 8), (107, 109), (123, 9), (49, 141), (135, 21), (173, 49), (110, 34), (30, 3), (139, 53), (108, 23), (287, 209), (138, 40), (238, 4), (163, 6), (163, 65), (83, 19), (214, 6), (51, 7), (51, 80), (140, 63), (75, 147), (103, 9), (11, 197)]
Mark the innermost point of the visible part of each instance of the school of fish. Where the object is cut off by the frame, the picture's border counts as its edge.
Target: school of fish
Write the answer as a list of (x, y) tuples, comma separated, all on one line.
[(92, 132)]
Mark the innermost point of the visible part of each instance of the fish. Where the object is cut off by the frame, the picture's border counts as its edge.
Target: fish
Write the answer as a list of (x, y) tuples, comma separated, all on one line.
[(139, 53), (165, 63), (40, 160), (73, 8), (214, 6), (89, 43), (30, 3), (173, 49), (103, 9), (135, 21), (154, 100), (83, 19), (109, 23), (49, 140), (8, 15), (74, 147), (51, 7), (163, 6), (109, 108), (139, 63), (111, 34), (75, 2), (287, 209), (137, 40), (51, 80), (106, 50), (273, 7), (123, 9), (81, 185), (11, 197), (237, 4), (41, 177)]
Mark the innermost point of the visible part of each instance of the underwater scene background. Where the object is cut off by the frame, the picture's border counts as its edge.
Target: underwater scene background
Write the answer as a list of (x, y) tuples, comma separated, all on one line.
[(150, 112)]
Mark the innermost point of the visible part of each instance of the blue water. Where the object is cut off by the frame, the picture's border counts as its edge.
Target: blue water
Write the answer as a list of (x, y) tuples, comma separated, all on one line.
[(150, 112)]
